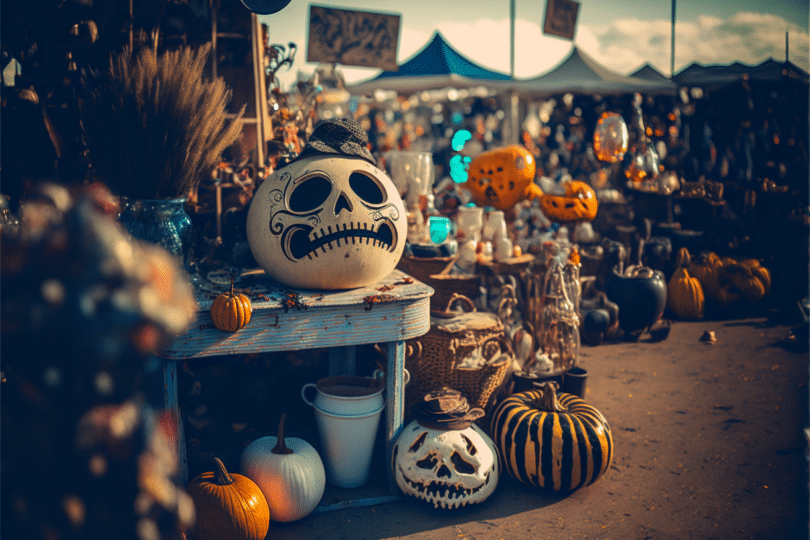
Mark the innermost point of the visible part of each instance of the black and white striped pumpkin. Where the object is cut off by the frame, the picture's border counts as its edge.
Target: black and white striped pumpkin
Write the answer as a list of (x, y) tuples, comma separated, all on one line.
[(558, 443)]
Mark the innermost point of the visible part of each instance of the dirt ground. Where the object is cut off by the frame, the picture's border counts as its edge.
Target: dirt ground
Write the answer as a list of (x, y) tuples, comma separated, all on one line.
[(709, 444)]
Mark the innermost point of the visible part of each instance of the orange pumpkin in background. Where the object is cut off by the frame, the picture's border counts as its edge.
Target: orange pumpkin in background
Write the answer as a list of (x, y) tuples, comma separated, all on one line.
[(502, 177), (579, 203)]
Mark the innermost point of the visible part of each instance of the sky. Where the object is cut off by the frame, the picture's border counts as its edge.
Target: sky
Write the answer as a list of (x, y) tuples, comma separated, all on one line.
[(623, 35)]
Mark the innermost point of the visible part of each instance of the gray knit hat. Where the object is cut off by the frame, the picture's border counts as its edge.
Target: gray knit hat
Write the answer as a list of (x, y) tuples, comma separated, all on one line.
[(342, 136)]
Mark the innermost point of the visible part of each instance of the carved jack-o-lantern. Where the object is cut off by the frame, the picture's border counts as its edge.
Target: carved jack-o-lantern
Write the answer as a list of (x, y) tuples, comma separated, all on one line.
[(327, 222), (579, 203), (502, 177), (449, 462)]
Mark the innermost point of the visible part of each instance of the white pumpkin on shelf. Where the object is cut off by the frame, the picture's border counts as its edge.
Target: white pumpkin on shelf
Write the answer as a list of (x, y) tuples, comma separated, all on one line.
[(289, 472)]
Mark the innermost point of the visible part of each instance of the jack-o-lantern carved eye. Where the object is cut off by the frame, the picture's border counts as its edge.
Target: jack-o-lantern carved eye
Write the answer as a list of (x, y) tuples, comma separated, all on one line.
[(462, 467), (310, 193), (428, 462), (366, 188), (470, 446), (417, 444)]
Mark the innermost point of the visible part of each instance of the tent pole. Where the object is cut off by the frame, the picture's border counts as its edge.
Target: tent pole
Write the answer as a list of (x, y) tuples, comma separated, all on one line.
[(672, 46), (514, 136)]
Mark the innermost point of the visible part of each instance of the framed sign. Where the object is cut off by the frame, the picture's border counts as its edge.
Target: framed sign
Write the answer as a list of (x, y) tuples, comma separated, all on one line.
[(561, 18), (353, 38)]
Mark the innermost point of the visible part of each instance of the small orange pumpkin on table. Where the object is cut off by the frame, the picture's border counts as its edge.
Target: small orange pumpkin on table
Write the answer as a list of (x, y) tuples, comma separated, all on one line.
[(231, 311)]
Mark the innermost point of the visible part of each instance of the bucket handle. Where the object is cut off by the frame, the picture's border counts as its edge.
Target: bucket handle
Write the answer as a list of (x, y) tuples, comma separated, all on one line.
[(304, 395), (461, 298), (380, 375)]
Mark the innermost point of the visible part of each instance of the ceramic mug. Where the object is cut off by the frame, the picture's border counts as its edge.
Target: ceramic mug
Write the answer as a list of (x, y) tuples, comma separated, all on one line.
[(469, 222), (503, 248)]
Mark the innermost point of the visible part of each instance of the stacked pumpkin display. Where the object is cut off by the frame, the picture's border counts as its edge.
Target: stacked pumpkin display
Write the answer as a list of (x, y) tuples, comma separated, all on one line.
[(715, 282)]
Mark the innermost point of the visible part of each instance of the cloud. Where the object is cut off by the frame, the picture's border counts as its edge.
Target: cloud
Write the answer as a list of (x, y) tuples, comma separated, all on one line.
[(487, 42), (622, 44), (747, 37)]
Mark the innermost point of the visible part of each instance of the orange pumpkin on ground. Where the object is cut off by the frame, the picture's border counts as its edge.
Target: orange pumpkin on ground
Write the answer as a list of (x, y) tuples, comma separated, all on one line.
[(228, 506)]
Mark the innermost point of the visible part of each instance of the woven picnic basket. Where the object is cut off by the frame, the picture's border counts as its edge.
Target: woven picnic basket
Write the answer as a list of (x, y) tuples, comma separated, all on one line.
[(438, 355), (436, 272)]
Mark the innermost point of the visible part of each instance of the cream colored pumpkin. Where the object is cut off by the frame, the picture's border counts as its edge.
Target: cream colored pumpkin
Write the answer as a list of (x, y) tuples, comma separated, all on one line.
[(327, 222), (289, 472)]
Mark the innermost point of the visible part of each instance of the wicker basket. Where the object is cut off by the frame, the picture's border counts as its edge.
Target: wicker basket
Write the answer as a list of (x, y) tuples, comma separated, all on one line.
[(454, 336), (435, 272)]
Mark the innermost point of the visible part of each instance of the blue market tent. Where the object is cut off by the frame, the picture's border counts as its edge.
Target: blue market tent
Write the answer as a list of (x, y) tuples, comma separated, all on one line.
[(437, 65)]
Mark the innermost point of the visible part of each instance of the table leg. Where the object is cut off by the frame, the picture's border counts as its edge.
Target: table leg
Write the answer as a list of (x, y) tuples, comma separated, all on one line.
[(395, 405), (172, 404)]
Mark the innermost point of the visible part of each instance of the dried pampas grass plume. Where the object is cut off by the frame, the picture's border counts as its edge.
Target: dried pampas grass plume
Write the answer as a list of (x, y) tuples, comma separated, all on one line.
[(154, 125)]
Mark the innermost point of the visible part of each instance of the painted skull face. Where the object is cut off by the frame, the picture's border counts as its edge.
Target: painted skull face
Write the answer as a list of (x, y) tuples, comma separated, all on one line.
[(502, 177), (446, 468), (327, 222)]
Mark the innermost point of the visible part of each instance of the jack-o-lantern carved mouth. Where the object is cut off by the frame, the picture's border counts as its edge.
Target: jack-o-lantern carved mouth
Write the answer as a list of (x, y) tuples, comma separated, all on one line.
[(490, 194), (300, 241), (442, 490)]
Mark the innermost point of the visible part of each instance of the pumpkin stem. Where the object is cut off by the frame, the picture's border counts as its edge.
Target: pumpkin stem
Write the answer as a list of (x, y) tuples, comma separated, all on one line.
[(222, 476), (548, 401), (231, 286), (280, 447)]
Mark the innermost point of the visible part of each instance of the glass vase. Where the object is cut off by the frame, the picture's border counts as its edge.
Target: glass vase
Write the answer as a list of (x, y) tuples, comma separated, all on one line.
[(160, 221)]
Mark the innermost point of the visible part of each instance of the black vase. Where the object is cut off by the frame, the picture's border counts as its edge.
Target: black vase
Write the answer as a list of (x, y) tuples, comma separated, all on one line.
[(641, 300)]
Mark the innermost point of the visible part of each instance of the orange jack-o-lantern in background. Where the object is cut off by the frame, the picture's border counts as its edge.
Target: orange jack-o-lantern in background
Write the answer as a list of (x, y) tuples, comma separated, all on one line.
[(502, 177), (578, 204)]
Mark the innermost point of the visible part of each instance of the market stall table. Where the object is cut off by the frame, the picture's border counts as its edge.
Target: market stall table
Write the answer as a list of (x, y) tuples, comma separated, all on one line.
[(389, 312)]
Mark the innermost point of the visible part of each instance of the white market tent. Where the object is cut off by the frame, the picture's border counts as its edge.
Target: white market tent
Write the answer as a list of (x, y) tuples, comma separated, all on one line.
[(649, 73), (580, 73)]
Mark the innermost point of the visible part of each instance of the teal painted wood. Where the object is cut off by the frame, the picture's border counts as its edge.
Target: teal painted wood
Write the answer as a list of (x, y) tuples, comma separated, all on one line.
[(392, 309), (389, 312)]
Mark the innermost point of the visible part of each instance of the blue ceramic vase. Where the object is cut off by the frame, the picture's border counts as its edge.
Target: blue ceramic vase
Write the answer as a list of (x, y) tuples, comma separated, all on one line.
[(160, 221)]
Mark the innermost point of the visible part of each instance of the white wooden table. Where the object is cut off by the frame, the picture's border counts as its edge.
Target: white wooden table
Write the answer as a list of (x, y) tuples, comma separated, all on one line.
[(285, 319)]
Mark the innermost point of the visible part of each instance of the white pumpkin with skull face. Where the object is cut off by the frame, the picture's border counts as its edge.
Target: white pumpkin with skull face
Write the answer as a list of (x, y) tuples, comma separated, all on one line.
[(327, 222), (448, 468)]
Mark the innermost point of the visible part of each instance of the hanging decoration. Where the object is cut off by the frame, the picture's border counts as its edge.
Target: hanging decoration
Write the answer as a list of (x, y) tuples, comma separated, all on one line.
[(610, 137), (643, 166)]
